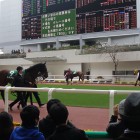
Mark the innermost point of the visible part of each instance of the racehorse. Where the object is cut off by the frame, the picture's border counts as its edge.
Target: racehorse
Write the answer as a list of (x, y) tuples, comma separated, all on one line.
[(30, 74), (71, 74)]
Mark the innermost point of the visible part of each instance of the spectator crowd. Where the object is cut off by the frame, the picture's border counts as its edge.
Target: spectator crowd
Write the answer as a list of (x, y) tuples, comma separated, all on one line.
[(124, 124), (54, 126)]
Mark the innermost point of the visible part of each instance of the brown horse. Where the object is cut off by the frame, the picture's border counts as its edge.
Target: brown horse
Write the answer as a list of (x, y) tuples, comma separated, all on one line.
[(29, 74), (71, 74)]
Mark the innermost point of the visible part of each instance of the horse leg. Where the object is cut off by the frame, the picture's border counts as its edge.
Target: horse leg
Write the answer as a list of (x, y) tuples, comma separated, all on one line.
[(67, 80), (31, 98), (2, 95), (82, 78), (71, 81), (36, 95), (79, 79)]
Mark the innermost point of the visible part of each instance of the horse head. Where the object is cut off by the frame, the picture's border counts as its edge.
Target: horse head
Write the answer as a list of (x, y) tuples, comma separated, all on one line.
[(36, 71), (65, 71), (43, 70)]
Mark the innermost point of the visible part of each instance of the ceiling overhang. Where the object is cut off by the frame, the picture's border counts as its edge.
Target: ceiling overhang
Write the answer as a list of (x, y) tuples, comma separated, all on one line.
[(46, 59)]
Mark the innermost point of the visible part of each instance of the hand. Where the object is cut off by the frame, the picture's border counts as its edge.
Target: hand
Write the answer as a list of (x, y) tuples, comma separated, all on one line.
[(30, 83), (116, 110)]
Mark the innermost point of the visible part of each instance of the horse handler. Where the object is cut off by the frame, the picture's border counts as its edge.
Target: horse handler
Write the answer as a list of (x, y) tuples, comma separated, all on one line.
[(19, 82)]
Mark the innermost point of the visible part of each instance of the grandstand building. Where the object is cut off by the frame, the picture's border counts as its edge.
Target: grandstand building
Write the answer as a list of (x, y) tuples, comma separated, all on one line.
[(64, 34)]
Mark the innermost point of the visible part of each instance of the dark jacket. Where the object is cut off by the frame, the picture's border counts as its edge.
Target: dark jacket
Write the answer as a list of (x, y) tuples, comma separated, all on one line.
[(130, 135), (114, 128), (5, 136), (18, 81), (65, 132), (21, 133), (47, 126)]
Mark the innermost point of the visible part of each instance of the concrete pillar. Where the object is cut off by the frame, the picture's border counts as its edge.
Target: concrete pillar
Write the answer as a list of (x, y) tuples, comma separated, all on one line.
[(39, 47), (109, 41), (58, 43), (82, 42)]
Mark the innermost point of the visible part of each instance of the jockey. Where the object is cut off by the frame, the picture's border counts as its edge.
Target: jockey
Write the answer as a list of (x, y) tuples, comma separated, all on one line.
[(20, 69), (137, 72), (68, 72)]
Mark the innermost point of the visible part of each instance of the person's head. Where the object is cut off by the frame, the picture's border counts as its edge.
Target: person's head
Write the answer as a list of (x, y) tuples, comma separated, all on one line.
[(30, 116), (132, 111), (50, 103), (19, 69), (59, 113), (6, 123), (135, 72)]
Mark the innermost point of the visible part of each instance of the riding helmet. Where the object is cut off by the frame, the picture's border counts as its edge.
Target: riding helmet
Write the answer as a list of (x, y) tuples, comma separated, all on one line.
[(135, 72)]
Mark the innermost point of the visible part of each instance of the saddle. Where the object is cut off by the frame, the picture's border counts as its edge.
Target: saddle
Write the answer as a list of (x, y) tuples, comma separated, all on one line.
[(74, 72), (11, 74)]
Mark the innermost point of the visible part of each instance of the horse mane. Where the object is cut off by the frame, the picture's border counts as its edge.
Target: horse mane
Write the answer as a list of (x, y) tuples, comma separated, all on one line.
[(35, 67)]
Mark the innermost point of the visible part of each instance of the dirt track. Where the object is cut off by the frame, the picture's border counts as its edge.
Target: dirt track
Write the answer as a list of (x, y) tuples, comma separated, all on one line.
[(84, 118)]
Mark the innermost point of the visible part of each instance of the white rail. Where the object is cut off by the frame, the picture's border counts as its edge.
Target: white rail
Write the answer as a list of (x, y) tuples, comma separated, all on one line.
[(94, 79), (50, 91)]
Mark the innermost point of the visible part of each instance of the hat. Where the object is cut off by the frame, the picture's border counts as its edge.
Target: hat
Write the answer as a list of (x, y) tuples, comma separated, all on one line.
[(121, 107), (132, 107), (19, 68)]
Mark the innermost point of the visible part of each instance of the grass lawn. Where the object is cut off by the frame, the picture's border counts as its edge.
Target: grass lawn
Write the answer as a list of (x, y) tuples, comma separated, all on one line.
[(84, 100)]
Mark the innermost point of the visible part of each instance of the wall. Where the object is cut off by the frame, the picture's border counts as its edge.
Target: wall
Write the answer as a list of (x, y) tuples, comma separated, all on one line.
[(126, 40), (99, 64), (58, 68), (14, 62)]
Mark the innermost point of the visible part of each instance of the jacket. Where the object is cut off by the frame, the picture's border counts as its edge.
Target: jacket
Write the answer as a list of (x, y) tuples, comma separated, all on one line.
[(130, 135), (65, 132), (21, 133), (47, 126), (114, 128), (18, 81)]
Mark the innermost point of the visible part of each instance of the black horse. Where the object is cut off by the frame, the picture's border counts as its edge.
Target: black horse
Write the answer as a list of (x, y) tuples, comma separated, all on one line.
[(71, 74), (30, 74)]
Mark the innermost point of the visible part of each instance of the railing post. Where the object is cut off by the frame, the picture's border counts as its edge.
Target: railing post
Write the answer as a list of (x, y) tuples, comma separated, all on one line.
[(111, 102), (50, 93), (6, 98)]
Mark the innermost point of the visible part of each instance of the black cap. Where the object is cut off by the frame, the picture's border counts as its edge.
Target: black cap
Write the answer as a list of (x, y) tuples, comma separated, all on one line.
[(132, 107), (19, 68)]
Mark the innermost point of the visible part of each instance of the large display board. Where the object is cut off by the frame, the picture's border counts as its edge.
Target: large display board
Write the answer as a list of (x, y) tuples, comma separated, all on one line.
[(48, 18)]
